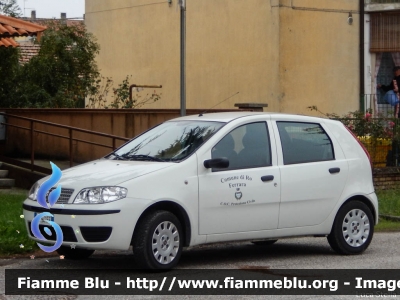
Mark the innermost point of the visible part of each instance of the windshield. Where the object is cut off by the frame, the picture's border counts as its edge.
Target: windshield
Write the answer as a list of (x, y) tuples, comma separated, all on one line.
[(170, 141)]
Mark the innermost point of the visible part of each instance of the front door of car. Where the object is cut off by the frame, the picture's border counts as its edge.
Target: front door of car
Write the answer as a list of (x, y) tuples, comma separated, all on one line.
[(245, 196), (313, 174)]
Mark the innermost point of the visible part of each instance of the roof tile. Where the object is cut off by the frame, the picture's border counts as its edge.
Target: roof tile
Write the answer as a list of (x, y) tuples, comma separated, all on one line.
[(8, 42), (28, 51), (10, 27), (2, 29)]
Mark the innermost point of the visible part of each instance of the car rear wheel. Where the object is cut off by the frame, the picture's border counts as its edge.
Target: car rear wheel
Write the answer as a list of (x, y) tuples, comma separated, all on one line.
[(74, 253), (157, 242), (264, 243), (353, 229)]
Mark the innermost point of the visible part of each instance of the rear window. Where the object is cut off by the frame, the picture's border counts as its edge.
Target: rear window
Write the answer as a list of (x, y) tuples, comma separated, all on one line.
[(304, 142)]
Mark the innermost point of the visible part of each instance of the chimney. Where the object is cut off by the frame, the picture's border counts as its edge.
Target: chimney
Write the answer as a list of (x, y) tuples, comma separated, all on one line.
[(33, 15), (63, 16)]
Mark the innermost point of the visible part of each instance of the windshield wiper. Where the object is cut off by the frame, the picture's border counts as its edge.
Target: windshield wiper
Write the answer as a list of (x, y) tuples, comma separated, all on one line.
[(140, 157)]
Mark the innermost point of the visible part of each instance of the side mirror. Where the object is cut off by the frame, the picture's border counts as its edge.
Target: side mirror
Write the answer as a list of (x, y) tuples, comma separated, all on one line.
[(219, 163)]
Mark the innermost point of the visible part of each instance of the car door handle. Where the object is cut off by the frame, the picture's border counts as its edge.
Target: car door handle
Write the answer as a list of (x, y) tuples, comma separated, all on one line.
[(334, 170), (267, 178)]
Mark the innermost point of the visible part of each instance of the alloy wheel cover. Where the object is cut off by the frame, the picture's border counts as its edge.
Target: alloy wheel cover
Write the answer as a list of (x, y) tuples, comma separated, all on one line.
[(356, 227), (165, 242)]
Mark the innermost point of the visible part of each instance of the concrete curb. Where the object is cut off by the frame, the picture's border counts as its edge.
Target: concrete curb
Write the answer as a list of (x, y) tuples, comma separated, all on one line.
[(392, 218)]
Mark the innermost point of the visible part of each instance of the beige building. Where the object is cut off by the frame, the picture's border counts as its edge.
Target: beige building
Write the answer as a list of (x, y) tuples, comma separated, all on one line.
[(289, 54)]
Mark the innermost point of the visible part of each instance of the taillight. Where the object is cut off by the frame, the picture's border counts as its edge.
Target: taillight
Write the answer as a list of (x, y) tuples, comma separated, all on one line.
[(361, 144)]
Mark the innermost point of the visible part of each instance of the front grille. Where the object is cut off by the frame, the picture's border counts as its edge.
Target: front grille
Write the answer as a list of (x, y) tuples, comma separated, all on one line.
[(96, 234), (64, 196), (68, 233)]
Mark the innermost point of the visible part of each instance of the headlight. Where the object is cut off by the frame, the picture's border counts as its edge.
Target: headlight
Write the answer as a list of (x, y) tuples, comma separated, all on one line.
[(33, 192), (98, 195)]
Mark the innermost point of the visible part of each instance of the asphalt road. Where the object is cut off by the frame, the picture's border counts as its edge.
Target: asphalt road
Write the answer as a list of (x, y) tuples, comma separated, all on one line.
[(299, 253)]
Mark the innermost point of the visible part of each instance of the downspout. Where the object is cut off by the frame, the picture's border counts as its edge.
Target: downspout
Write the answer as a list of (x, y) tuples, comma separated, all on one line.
[(183, 58), (362, 71)]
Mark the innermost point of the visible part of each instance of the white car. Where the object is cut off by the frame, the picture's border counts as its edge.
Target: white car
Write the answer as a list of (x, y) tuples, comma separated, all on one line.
[(217, 177)]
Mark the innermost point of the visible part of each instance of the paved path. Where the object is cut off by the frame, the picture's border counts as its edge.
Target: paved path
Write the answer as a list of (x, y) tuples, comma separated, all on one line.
[(299, 253)]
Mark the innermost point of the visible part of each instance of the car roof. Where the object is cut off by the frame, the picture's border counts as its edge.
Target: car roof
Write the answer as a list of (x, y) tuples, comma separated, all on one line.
[(229, 116)]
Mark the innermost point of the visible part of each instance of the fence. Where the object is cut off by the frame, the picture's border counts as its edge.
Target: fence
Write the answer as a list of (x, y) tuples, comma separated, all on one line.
[(381, 132), (381, 1), (79, 135), (72, 131), (380, 136), (58, 142), (383, 152), (377, 105)]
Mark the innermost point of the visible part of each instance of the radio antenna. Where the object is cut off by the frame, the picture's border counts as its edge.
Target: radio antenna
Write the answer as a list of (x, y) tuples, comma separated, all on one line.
[(201, 114)]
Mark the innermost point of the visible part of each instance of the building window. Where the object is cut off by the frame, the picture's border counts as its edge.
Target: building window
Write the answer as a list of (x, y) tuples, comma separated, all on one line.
[(385, 32)]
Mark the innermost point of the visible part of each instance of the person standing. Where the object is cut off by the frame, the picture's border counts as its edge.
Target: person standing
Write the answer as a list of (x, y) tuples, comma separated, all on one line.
[(392, 90)]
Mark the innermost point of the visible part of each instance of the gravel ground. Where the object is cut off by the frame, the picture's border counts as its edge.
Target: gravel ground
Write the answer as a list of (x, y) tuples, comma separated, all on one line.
[(296, 253)]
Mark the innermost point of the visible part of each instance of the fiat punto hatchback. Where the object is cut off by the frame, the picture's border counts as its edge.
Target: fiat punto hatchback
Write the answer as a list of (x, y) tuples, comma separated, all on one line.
[(213, 178)]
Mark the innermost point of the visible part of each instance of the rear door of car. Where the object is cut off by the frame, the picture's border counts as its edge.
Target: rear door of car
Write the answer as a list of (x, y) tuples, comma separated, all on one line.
[(313, 171)]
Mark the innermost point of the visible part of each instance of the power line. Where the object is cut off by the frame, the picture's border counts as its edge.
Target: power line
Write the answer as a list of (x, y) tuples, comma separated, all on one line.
[(315, 9), (132, 6)]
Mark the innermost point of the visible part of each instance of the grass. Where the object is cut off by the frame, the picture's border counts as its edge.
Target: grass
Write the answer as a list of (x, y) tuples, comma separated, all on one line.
[(387, 226), (13, 231), (12, 227), (389, 202)]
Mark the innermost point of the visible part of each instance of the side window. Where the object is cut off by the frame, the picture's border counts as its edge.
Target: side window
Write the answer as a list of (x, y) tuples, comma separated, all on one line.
[(247, 146), (304, 142)]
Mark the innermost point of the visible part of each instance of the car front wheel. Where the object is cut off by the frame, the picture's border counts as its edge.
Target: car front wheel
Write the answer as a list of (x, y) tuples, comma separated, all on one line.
[(353, 229), (157, 242)]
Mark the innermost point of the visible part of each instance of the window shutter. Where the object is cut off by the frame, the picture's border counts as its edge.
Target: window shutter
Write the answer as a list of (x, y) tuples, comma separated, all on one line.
[(385, 32)]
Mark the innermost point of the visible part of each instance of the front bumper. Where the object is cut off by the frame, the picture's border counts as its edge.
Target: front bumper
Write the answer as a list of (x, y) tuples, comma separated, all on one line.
[(94, 226)]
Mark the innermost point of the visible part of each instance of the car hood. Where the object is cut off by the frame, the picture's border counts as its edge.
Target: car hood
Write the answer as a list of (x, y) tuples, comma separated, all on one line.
[(104, 172)]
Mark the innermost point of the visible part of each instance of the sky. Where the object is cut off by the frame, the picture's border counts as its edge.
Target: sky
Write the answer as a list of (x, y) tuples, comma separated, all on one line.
[(53, 8)]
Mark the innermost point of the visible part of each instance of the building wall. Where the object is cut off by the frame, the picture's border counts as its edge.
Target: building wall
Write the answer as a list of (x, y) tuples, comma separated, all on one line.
[(232, 46), (319, 56), (138, 39), (268, 51), (387, 178)]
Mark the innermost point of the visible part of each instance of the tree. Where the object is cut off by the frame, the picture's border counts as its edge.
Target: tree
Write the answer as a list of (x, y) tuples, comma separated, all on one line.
[(64, 71), (10, 8), (9, 68)]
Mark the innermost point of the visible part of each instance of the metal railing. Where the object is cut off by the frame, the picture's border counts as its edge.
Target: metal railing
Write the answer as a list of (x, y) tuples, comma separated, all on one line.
[(70, 137), (380, 136), (383, 154), (377, 105), (381, 1)]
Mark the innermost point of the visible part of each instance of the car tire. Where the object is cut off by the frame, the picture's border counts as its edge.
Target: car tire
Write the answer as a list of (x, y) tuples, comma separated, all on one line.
[(75, 254), (353, 229), (157, 242), (264, 243)]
